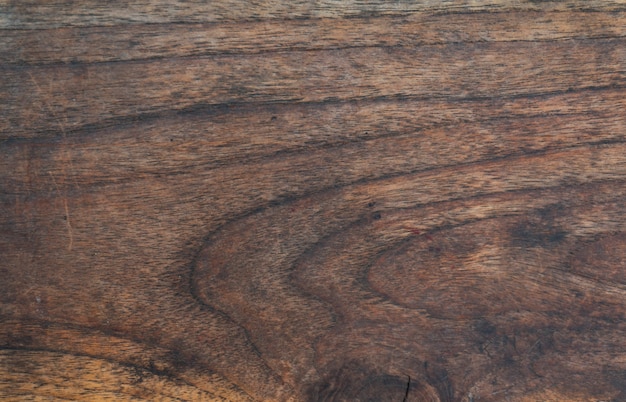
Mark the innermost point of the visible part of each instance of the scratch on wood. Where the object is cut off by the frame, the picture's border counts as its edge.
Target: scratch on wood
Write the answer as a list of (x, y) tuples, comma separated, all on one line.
[(67, 214), (68, 159), (67, 154)]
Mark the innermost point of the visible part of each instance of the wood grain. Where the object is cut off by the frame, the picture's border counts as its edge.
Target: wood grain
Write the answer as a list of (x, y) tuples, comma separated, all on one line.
[(330, 200)]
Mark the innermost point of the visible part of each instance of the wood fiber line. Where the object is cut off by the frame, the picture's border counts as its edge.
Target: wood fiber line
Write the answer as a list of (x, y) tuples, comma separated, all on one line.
[(314, 201), (108, 380), (76, 95), (425, 149), (62, 45), (33, 14)]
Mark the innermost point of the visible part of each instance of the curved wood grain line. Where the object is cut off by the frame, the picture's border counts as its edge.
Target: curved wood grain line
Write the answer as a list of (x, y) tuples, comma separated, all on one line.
[(156, 372), (211, 298), (286, 200), (164, 376), (337, 237), (592, 283), (343, 149), (289, 200), (162, 361), (254, 270), (237, 108), (353, 300), (337, 75)]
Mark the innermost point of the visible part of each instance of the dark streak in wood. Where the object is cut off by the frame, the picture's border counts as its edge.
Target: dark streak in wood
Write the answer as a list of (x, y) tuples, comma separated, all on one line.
[(331, 200)]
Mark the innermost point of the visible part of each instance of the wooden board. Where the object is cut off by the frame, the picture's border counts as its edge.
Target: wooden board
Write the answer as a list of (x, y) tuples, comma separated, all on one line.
[(313, 201)]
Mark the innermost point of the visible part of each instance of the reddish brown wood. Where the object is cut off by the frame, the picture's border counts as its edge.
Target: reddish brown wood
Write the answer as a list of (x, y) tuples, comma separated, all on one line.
[(331, 200)]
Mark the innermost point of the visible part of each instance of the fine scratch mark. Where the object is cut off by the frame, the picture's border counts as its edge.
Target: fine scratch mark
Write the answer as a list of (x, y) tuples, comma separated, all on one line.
[(67, 159), (408, 386), (67, 215), (47, 106), (67, 154)]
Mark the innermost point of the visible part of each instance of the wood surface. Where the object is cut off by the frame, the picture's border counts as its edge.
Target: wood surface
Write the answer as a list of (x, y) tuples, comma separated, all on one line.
[(313, 200)]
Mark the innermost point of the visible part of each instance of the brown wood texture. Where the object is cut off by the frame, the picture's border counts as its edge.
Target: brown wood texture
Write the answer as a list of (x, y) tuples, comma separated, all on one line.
[(313, 200)]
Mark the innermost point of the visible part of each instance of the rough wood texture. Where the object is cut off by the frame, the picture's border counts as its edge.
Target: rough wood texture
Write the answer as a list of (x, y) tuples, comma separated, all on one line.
[(307, 201)]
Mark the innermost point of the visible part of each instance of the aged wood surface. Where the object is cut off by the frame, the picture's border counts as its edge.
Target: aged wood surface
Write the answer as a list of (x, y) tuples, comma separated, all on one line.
[(313, 200)]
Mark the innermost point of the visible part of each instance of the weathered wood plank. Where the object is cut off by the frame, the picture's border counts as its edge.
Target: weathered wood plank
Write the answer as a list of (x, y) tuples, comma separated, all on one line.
[(323, 200)]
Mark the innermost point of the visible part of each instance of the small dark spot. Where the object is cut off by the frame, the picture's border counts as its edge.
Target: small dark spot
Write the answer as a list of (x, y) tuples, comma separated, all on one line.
[(533, 234), (65, 218), (551, 212), (617, 379), (484, 327), (273, 118), (138, 375), (171, 140), (376, 215), (15, 340), (507, 359), (371, 204), (556, 236)]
